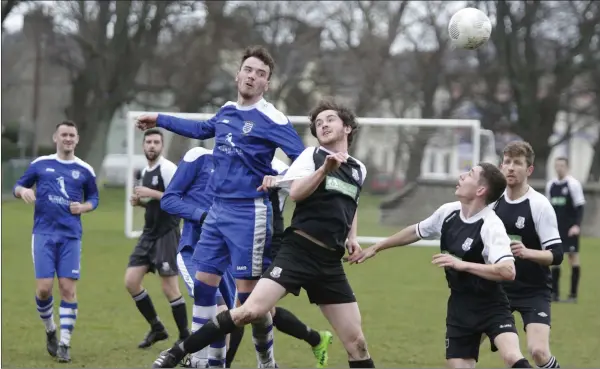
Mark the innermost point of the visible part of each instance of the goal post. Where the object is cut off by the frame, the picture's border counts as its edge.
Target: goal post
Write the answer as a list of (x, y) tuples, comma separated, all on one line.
[(384, 145)]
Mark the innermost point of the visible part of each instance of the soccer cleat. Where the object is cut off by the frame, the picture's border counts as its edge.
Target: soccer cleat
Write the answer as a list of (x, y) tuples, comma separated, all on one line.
[(555, 298), (166, 359), (51, 343), (572, 299), (152, 337), (321, 351), (63, 355)]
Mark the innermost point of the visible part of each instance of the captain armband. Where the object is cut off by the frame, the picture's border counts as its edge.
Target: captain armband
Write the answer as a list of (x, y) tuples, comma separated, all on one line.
[(557, 254)]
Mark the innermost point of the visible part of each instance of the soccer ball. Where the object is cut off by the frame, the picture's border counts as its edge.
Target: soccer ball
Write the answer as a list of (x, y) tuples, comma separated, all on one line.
[(469, 28)]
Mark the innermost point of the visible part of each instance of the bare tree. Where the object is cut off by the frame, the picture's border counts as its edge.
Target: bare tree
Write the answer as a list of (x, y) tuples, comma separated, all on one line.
[(539, 45), (104, 46)]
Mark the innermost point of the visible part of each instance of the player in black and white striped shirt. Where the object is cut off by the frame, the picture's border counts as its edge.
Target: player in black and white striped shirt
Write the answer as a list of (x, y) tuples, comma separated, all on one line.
[(566, 196)]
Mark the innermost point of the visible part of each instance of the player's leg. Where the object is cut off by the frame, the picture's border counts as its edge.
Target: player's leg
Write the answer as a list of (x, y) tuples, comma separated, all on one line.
[(263, 298), (235, 338), (43, 252), (536, 316), (246, 226), (68, 272), (573, 249), (502, 331), (555, 269), (140, 264), (165, 262)]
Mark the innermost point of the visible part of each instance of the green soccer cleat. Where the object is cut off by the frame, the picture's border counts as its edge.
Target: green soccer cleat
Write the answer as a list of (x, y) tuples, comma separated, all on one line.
[(321, 350)]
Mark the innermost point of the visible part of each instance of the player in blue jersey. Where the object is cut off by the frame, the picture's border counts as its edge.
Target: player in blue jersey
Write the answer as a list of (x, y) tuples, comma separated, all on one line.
[(237, 229), (189, 198), (65, 189)]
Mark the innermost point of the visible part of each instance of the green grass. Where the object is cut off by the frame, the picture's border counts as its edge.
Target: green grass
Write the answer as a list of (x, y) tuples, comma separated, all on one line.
[(402, 299)]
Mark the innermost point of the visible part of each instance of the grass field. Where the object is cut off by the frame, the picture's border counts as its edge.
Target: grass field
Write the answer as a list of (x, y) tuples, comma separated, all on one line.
[(401, 295)]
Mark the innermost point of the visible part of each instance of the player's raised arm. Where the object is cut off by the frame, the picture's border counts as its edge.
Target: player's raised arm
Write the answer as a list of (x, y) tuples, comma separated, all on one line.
[(22, 189), (428, 228), (302, 177), (184, 127), (172, 200), (286, 137)]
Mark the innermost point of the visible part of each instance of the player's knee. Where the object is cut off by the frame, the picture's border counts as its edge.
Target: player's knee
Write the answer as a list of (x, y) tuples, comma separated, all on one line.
[(356, 347), (67, 289), (511, 357), (132, 284), (43, 292), (539, 353), (170, 287)]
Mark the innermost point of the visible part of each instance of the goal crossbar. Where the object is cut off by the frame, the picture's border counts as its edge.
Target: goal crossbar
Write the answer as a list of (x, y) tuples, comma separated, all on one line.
[(475, 125)]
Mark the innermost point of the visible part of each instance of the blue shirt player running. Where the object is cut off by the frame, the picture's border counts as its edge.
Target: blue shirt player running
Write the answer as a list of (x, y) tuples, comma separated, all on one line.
[(65, 189), (237, 229), (188, 197)]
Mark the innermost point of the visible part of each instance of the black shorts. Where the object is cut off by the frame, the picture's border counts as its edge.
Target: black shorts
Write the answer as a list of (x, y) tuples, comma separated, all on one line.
[(569, 244), (159, 254), (469, 318), (319, 271), (533, 308)]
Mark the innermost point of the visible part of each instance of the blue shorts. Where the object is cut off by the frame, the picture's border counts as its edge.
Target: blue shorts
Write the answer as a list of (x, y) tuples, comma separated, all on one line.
[(236, 233), (56, 255), (187, 270)]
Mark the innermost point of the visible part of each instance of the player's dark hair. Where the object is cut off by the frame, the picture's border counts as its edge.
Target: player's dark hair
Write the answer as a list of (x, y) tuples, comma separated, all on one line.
[(262, 54), (153, 131), (520, 148), (68, 123), (346, 115), (562, 158), (494, 180)]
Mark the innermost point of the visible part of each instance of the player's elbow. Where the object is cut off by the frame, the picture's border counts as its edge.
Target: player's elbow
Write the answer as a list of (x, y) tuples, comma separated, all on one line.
[(94, 201), (506, 270), (167, 203), (557, 254)]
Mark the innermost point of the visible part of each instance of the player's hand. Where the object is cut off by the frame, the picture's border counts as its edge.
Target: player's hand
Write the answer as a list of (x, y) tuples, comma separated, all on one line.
[(574, 231), (448, 261), (146, 121), (134, 200), (141, 191), (76, 208), (333, 161), (519, 250), (268, 182), (361, 257), (27, 195), (353, 247)]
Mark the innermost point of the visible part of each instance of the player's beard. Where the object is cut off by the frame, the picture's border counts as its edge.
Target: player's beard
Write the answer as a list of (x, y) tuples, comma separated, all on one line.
[(151, 156)]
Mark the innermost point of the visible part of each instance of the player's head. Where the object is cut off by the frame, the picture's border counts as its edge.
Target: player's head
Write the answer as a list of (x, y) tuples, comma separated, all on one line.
[(484, 181), (153, 144), (255, 72), (331, 123), (66, 137), (517, 162), (561, 166)]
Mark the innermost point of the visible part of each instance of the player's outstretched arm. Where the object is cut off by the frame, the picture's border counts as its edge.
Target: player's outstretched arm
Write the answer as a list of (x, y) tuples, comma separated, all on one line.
[(405, 237), (172, 200), (501, 271), (200, 130)]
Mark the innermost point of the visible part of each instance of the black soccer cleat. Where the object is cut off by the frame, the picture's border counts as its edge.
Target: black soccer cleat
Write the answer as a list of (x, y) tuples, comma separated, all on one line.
[(152, 337), (555, 298), (51, 343), (63, 355), (167, 359)]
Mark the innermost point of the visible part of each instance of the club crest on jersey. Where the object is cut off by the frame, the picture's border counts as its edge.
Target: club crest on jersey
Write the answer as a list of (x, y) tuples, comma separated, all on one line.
[(276, 272), (520, 222), (355, 174), (247, 127), (565, 191), (75, 174), (154, 180), (466, 246)]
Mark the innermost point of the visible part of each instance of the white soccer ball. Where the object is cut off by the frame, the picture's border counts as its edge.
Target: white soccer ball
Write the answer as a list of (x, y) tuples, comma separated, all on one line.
[(469, 28)]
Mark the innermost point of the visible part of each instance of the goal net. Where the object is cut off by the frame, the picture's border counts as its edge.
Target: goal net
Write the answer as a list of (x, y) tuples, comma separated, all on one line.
[(394, 151)]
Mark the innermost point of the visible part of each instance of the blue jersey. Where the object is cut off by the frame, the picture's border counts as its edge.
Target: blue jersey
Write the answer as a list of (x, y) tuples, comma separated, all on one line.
[(187, 195), (246, 138), (59, 183)]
